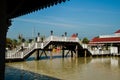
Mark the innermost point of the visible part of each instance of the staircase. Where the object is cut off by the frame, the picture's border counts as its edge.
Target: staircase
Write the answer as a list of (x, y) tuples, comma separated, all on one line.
[(27, 51)]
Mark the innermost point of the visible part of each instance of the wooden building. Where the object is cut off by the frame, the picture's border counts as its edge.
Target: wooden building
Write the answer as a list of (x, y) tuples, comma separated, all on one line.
[(107, 42)]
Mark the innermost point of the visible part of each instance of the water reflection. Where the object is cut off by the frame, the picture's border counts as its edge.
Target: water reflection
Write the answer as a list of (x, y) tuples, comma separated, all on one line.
[(18, 74), (74, 68)]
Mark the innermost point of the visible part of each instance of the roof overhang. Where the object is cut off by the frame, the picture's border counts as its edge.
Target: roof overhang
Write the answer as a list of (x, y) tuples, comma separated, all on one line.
[(16, 8), (105, 40)]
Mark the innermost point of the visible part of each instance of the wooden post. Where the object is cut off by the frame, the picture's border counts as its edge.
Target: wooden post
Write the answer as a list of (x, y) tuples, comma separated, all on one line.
[(85, 53), (65, 36), (63, 52), (41, 54), (51, 32), (51, 55), (51, 35), (37, 55), (51, 52), (76, 51), (45, 54), (71, 53), (67, 53), (4, 24)]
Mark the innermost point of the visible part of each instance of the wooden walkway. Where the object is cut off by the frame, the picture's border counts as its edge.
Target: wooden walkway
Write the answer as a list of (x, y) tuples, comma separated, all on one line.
[(65, 43)]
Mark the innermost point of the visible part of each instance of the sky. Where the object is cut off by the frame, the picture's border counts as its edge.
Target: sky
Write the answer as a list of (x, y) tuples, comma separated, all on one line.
[(88, 18)]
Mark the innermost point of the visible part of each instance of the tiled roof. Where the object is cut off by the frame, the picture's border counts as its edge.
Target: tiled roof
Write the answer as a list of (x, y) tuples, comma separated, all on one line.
[(118, 31), (105, 40), (74, 36)]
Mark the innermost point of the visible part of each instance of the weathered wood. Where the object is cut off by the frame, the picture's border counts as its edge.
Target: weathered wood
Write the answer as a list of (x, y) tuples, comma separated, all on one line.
[(37, 55), (63, 52), (3, 31)]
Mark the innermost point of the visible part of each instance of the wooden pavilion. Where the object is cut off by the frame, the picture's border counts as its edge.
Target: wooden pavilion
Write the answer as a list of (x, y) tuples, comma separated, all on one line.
[(11, 9), (107, 41)]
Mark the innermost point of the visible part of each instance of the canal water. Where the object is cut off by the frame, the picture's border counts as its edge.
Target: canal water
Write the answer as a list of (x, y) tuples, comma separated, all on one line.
[(99, 68)]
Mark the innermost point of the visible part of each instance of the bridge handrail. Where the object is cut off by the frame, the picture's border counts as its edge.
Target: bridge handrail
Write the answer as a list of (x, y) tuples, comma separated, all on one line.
[(16, 54), (34, 45), (13, 50), (69, 39), (99, 52), (28, 50), (10, 53)]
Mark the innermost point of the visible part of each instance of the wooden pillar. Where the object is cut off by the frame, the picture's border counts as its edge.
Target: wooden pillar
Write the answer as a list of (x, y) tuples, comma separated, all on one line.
[(85, 53), (67, 53), (63, 52), (71, 53), (51, 52), (110, 48), (51, 32), (51, 55), (77, 51), (119, 49), (41, 54), (37, 54), (4, 24), (65, 36)]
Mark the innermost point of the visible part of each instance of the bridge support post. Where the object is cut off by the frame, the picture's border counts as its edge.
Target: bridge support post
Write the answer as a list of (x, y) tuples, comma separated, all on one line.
[(44, 53), (51, 55), (63, 52), (76, 51), (67, 53), (37, 55), (71, 53), (85, 53), (51, 47)]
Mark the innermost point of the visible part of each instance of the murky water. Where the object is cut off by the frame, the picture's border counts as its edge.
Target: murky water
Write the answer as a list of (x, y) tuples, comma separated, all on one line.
[(107, 68)]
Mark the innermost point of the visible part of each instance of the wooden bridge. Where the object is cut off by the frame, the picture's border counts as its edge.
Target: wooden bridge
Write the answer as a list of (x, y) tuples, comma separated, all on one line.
[(71, 44)]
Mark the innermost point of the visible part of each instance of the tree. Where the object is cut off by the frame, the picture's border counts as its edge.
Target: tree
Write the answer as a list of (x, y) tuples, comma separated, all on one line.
[(20, 37), (30, 40), (15, 42), (9, 43), (85, 40), (23, 40)]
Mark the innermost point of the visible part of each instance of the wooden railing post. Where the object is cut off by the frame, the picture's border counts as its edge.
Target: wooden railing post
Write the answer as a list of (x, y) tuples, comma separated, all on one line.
[(22, 55), (42, 45), (65, 36)]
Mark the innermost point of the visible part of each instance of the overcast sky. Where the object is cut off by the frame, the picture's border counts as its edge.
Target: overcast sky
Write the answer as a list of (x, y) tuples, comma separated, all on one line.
[(88, 18)]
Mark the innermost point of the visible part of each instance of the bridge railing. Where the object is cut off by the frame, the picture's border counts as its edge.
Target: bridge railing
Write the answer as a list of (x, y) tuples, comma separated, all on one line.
[(99, 52), (20, 54), (67, 39), (28, 50), (13, 55), (13, 51)]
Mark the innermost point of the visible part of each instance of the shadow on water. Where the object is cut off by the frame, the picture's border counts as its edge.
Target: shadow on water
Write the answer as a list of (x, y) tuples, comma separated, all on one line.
[(46, 58), (18, 74)]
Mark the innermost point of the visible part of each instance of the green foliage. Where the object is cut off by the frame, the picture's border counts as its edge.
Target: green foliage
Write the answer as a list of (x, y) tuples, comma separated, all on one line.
[(9, 43), (23, 40), (30, 40), (85, 40)]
